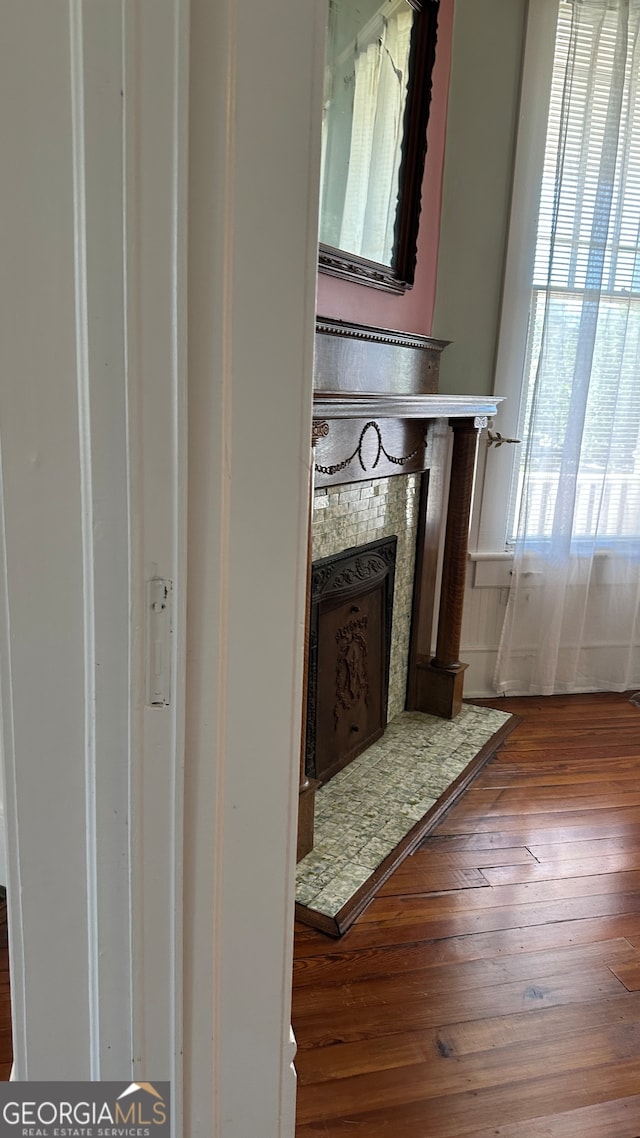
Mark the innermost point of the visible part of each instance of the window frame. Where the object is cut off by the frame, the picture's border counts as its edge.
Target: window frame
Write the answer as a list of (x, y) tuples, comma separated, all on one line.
[(496, 465)]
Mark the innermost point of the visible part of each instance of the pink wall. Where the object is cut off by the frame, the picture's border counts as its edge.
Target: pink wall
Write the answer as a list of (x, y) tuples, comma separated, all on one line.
[(412, 312)]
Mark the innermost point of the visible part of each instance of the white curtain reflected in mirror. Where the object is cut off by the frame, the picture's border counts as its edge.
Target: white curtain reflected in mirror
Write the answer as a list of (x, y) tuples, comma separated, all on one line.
[(366, 88)]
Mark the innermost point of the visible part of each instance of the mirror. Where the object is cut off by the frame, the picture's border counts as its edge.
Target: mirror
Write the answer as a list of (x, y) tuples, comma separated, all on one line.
[(377, 91)]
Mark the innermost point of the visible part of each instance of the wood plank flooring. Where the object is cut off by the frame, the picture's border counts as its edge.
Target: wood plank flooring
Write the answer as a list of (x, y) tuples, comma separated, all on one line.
[(492, 989)]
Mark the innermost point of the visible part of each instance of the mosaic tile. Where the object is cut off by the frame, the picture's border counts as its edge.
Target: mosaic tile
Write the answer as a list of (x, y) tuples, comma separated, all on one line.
[(379, 509), (373, 852), (332, 899), (306, 893), (360, 819)]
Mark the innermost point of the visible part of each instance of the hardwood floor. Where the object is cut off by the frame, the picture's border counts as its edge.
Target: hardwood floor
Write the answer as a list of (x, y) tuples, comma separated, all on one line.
[(492, 989)]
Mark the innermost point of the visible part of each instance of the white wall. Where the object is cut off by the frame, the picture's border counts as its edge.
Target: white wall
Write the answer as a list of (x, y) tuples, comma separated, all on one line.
[(481, 121), (483, 99)]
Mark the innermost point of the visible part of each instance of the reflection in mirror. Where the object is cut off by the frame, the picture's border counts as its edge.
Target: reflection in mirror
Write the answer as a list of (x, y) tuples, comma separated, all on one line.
[(376, 96), (364, 105)]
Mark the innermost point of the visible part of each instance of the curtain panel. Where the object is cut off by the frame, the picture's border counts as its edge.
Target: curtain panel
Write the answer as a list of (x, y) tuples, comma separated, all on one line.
[(572, 622)]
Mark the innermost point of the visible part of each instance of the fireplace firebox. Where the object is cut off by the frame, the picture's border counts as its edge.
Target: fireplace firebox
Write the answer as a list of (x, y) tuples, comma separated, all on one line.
[(349, 651)]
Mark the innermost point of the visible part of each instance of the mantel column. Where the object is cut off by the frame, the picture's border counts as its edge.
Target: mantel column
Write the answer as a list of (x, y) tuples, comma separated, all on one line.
[(456, 542), (441, 680)]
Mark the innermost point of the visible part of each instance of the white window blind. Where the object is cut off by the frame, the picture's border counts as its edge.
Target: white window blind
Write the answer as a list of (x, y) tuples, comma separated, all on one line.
[(585, 296)]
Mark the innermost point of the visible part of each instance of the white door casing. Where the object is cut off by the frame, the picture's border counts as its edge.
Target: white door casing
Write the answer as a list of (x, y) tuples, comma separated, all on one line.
[(254, 175), (68, 691), (94, 495), (150, 885)]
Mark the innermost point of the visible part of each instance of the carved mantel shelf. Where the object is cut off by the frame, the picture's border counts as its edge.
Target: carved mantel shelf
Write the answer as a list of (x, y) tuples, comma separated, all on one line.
[(376, 435), (377, 409), (342, 405)]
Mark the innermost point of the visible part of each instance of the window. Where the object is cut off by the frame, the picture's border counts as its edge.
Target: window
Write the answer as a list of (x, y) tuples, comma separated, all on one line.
[(569, 353)]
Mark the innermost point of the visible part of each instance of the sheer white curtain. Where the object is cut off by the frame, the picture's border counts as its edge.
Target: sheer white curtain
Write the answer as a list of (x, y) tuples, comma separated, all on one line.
[(368, 222), (572, 620)]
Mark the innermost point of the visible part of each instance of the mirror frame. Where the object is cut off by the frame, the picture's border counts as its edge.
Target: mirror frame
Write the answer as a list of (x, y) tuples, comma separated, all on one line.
[(399, 276)]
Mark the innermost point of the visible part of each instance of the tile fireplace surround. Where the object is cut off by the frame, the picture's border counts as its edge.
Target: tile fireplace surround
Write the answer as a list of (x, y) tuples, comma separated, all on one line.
[(381, 437), (360, 512)]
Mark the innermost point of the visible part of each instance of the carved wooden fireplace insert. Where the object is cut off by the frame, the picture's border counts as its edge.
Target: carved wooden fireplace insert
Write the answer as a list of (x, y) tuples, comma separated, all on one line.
[(349, 651), (377, 413)]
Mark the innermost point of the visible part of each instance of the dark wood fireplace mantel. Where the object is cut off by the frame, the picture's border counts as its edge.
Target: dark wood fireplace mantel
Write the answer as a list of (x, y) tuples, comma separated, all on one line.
[(377, 412), (370, 435), (356, 405), (359, 436), (376, 399)]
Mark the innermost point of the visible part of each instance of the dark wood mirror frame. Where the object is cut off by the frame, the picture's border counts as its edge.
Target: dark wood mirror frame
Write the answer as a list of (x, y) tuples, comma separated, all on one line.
[(399, 276)]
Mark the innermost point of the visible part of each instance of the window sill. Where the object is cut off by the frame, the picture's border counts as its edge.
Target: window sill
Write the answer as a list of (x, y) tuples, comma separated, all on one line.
[(491, 570)]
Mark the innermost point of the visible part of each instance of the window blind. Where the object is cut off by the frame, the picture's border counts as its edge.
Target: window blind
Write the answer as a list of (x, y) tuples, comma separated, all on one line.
[(587, 269)]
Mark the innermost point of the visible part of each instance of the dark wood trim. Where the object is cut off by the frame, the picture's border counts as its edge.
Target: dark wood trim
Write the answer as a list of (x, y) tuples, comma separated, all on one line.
[(423, 585), (338, 925), (421, 63), (456, 542), (350, 267), (307, 787), (316, 920), (437, 685), (439, 690), (357, 450), (330, 326), (400, 275), (306, 816), (357, 405), (355, 358), (431, 512)]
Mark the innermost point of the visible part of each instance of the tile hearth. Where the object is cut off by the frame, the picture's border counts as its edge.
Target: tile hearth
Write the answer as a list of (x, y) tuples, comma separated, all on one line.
[(366, 810)]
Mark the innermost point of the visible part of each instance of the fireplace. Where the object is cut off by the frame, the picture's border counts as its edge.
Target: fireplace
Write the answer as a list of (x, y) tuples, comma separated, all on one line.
[(378, 420), (349, 653)]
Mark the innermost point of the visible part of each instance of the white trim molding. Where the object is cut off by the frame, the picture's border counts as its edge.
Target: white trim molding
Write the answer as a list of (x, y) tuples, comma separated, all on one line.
[(254, 176), (93, 438), (151, 849), (516, 292)]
